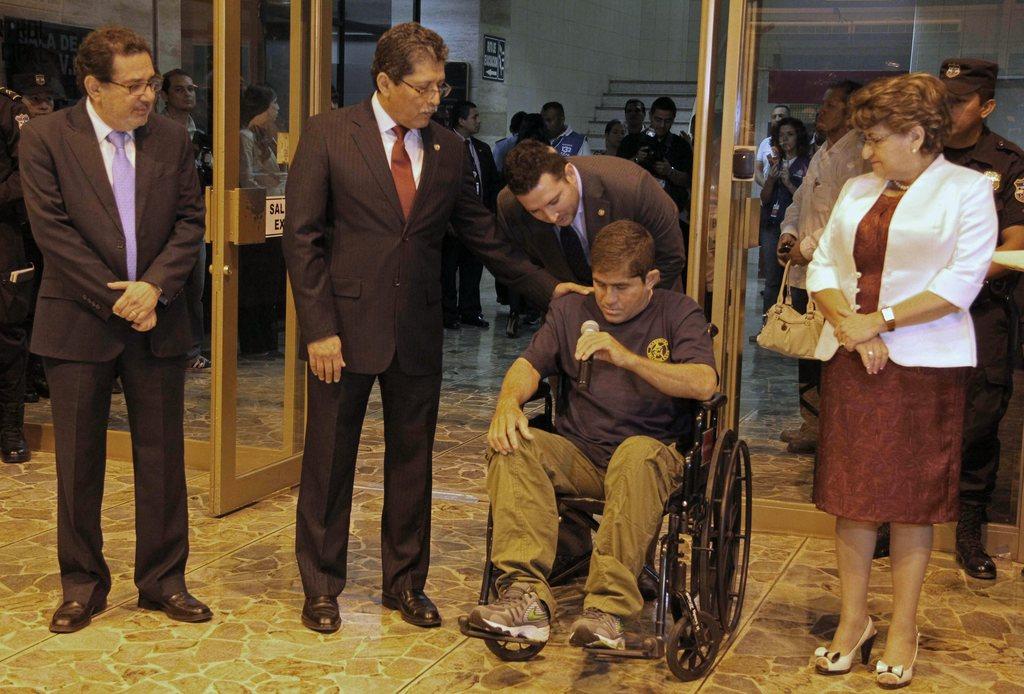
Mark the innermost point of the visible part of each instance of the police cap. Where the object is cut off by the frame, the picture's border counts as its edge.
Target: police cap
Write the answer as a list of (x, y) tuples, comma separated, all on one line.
[(963, 76), (37, 84)]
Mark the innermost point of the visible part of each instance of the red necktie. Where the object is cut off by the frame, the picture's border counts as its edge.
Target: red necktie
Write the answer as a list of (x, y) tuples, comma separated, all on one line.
[(401, 171)]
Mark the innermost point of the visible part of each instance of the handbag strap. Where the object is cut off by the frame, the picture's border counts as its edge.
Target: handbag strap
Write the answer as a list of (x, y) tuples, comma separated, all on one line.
[(784, 295)]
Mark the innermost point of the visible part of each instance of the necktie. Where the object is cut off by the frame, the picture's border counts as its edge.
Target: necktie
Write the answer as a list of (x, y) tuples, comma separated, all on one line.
[(401, 171), (574, 254), (124, 196), (476, 171)]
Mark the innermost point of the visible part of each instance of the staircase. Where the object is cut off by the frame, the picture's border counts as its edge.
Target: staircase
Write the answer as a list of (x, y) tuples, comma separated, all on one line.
[(612, 101)]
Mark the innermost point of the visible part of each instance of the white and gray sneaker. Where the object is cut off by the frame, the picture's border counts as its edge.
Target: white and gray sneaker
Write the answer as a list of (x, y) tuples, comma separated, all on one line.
[(597, 629), (518, 612)]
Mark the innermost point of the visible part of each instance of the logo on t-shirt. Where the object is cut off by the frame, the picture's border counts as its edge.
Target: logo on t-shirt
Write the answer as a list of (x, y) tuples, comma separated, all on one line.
[(658, 349)]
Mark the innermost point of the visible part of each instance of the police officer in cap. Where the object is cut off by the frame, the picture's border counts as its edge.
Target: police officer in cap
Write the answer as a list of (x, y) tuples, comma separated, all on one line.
[(971, 84), (38, 91), (15, 283)]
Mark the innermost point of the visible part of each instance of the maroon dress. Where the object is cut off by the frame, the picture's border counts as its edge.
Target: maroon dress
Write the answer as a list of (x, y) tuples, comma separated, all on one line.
[(889, 443)]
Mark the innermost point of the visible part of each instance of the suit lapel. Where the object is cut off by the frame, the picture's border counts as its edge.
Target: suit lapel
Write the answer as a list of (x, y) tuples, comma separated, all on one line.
[(430, 157), (86, 150), (367, 139), (597, 210), (143, 172)]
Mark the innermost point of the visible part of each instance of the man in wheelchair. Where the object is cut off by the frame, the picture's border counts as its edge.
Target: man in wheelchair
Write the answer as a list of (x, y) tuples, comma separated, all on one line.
[(614, 441)]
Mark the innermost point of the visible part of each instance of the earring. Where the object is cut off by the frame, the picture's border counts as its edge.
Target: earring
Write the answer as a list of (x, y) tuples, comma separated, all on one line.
[(914, 150)]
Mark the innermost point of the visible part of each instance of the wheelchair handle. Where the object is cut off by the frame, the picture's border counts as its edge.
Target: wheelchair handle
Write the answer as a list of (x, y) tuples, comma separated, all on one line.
[(715, 401)]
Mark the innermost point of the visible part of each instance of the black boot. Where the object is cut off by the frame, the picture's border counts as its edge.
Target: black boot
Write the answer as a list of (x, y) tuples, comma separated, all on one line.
[(970, 550), (13, 448)]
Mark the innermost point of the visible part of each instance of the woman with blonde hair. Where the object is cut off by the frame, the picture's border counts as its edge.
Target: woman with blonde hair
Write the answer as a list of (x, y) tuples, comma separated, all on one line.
[(902, 257)]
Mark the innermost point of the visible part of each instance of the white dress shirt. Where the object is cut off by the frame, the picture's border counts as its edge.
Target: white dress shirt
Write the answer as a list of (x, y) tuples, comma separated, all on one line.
[(941, 239), (579, 222), (413, 139), (107, 148), (830, 168)]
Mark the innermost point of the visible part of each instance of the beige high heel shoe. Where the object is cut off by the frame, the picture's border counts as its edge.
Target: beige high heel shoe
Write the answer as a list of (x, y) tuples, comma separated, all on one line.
[(896, 676), (833, 663)]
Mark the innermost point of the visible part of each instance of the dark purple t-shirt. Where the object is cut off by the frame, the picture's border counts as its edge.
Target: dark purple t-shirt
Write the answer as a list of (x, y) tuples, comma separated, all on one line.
[(620, 404)]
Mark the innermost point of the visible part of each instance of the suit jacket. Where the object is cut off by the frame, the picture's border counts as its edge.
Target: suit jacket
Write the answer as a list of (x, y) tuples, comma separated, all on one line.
[(613, 189), (490, 179), (941, 240), (77, 227), (358, 268)]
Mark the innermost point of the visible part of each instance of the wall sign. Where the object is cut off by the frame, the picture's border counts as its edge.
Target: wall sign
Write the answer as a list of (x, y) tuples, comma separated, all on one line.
[(494, 58), (274, 215)]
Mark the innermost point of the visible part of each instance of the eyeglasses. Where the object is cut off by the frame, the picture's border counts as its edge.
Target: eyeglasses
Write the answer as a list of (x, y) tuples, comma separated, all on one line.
[(443, 89), (139, 88), (873, 141)]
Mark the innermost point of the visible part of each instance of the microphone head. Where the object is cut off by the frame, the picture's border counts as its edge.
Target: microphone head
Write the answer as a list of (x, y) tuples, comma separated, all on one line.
[(590, 326)]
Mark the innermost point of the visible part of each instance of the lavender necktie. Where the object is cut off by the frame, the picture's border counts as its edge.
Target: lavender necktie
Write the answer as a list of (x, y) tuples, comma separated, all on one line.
[(124, 195)]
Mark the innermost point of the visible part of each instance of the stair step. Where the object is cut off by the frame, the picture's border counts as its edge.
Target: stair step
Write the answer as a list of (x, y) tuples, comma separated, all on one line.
[(646, 88), (606, 113), (619, 100)]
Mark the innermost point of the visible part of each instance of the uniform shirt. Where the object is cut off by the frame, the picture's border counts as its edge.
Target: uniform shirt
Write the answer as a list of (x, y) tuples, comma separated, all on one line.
[(501, 149), (12, 117), (620, 404), (830, 168), (571, 144), (1002, 162), (107, 148), (413, 139)]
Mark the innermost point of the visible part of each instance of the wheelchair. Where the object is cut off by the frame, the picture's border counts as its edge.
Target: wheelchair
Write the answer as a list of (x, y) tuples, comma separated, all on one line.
[(711, 506)]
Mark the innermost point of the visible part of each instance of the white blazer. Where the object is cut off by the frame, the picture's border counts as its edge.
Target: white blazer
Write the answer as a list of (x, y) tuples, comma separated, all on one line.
[(941, 240)]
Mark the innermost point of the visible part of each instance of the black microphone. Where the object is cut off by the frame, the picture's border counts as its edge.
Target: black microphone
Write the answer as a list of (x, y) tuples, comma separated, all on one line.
[(583, 380)]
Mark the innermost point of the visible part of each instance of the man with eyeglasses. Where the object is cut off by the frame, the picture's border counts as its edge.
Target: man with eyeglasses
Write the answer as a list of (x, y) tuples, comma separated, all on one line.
[(372, 190), (115, 206)]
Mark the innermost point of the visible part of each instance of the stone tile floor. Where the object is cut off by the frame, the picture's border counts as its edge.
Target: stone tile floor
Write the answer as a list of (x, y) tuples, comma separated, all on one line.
[(243, 566)]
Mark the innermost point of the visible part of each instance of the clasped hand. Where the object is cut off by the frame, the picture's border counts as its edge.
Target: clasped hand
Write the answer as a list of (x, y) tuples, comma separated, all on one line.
[(860, 332), (137, 304), (604, 347)]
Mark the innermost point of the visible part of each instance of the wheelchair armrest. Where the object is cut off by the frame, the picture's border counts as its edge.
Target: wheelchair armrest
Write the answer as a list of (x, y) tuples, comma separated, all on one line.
[(715, 401)]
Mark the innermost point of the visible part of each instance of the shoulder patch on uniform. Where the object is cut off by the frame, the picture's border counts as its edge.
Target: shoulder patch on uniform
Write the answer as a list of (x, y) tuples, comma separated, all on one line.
[(21, 119), (996, 178), (1018, 193)]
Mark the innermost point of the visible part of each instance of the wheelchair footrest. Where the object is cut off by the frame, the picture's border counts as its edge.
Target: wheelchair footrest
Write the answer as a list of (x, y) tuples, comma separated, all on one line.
[(469, 630), (651, 648)]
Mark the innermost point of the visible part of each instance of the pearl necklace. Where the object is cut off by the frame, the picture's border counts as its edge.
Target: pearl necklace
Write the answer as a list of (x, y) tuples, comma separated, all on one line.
[(899, 186)]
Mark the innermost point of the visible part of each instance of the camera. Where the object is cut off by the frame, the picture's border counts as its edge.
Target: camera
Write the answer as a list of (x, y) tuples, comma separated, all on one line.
[(655, 148)]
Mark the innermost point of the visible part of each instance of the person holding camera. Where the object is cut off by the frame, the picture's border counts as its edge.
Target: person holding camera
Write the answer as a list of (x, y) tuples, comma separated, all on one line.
[(785, 173), (667, 156)]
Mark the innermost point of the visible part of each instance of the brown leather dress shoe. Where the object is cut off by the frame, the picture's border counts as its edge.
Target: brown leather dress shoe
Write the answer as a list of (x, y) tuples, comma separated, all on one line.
[(415, 607), (73, 615), (320, 613), (181, 607)]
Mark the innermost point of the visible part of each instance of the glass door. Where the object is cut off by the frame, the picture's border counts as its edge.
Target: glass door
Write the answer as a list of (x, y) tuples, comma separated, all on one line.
[(266, 80), (766, 54)]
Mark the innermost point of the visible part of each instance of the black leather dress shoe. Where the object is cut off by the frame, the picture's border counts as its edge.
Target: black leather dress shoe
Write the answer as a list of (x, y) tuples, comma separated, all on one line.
[(477, 321), (415, 606), (970, 550), (320, 613), (73, 615), (181, 607), (13, 448)]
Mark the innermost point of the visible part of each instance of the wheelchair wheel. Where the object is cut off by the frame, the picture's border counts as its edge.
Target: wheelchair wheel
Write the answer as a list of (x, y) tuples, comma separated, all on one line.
[(514, 652), (690, 655), (723, 581)]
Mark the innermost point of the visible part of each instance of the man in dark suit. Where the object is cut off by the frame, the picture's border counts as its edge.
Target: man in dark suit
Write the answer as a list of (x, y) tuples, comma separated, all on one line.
[(460, 297), (372, 190), (115, 206), (553, 207)]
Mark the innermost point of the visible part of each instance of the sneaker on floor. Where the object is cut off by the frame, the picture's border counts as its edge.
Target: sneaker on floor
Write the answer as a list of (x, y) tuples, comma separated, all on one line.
[(200, 363), (518, 612), (598, 629)]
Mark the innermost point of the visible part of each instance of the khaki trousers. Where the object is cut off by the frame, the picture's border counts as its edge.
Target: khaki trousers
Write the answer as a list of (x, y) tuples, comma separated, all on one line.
[(522, 488)]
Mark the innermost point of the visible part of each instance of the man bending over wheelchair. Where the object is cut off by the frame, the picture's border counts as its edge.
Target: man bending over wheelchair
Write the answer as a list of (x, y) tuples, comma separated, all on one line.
[(614, 441)]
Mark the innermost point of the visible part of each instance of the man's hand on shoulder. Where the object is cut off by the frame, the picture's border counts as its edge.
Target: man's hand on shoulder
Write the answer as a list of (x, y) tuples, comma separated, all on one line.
[(138, 299), (325, 359), (604, 347), (507, 425), (563, 288)]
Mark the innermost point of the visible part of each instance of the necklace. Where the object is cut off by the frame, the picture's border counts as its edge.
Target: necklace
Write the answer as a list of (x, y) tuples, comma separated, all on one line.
[(899, 186)]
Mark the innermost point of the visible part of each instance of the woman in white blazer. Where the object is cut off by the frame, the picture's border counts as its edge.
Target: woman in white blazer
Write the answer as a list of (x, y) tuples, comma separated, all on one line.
[(899, 263)]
